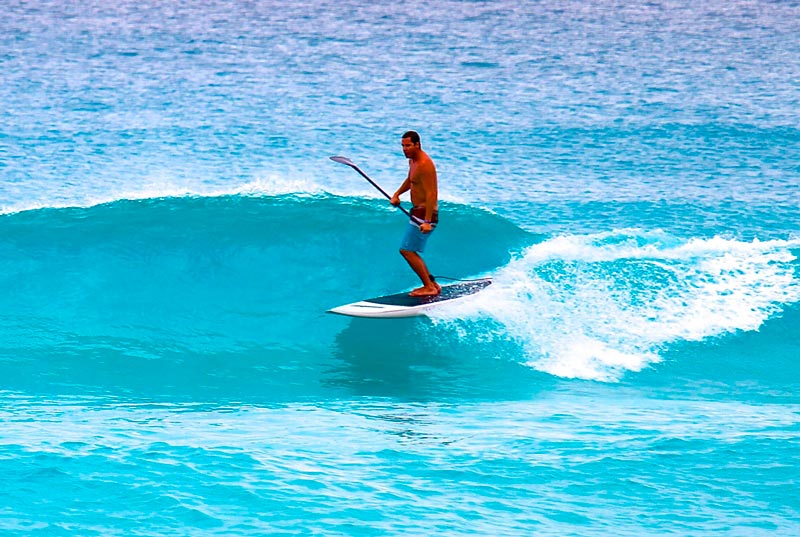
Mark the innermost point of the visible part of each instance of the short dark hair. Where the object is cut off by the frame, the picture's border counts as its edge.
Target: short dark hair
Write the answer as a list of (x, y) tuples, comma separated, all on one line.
[(414, 135)]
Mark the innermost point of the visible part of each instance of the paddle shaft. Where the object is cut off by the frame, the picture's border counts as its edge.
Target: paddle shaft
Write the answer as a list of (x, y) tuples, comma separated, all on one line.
[(367, 177)]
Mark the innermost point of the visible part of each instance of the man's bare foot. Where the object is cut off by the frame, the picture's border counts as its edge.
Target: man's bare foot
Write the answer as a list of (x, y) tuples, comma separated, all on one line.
[(427, 291)]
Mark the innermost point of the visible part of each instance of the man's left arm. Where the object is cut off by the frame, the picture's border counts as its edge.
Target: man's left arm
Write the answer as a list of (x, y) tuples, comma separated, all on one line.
[(431, 197)]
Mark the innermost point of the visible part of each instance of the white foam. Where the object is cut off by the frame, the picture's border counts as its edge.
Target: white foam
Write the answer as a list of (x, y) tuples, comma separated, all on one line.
[(164, 185), (596, 306)]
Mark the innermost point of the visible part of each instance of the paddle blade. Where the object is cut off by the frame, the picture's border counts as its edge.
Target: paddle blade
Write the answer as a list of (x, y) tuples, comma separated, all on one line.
[(343, 160)]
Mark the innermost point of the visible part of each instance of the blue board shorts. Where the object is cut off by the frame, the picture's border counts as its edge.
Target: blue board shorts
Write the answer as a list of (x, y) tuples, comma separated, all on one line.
[(415, 240)]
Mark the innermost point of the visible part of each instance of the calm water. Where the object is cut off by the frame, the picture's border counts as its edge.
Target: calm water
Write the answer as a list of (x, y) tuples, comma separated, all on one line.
[(172, 233)]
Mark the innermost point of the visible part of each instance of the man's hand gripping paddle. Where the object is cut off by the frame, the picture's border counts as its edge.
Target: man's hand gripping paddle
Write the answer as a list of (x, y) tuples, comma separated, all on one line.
[(348, 162)]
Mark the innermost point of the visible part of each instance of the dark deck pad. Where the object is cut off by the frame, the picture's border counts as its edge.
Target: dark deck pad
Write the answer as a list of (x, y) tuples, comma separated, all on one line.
[(449, 292)]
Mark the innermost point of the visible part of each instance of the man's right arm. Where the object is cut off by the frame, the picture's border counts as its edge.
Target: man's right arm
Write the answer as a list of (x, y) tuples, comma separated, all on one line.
[(405, 187)]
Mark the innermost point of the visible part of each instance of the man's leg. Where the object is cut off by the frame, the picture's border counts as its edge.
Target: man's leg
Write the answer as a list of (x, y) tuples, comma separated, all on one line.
[(429, 287)]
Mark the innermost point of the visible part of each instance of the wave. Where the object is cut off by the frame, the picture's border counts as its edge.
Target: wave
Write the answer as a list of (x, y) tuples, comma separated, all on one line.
[(251, 277)]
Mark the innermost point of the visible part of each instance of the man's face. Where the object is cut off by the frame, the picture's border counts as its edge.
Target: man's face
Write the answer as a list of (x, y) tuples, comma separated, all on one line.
[(409, 148)]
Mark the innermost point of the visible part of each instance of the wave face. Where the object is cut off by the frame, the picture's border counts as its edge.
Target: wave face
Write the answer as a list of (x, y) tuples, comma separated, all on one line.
[(236, 278)]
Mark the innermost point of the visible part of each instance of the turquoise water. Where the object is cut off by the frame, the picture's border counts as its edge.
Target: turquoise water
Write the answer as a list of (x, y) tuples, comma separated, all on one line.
[(172, 233)]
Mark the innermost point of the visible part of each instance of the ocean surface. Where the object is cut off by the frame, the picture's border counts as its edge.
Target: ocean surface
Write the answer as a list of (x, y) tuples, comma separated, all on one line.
[(172, 234)]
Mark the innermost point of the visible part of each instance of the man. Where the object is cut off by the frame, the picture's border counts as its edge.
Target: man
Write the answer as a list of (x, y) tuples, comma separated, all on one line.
[(421, 181)]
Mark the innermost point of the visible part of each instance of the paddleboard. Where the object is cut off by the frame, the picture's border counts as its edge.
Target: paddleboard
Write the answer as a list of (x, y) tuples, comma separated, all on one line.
[(403, 305)]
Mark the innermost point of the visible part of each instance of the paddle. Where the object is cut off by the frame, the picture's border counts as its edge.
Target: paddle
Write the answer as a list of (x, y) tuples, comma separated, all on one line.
[(348, 162)]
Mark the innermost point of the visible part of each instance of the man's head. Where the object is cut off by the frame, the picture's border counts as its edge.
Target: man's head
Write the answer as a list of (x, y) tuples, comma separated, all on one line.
[(411, 144)]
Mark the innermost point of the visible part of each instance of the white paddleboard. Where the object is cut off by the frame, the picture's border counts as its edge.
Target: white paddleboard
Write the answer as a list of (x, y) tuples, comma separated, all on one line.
[(403, 305)]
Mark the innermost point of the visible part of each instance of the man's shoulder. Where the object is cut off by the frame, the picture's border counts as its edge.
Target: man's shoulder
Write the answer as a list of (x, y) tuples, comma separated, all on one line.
[(427, 161)]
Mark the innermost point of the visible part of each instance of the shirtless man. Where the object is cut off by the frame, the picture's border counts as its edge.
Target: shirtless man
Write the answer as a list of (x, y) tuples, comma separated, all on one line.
[(421, 181)]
